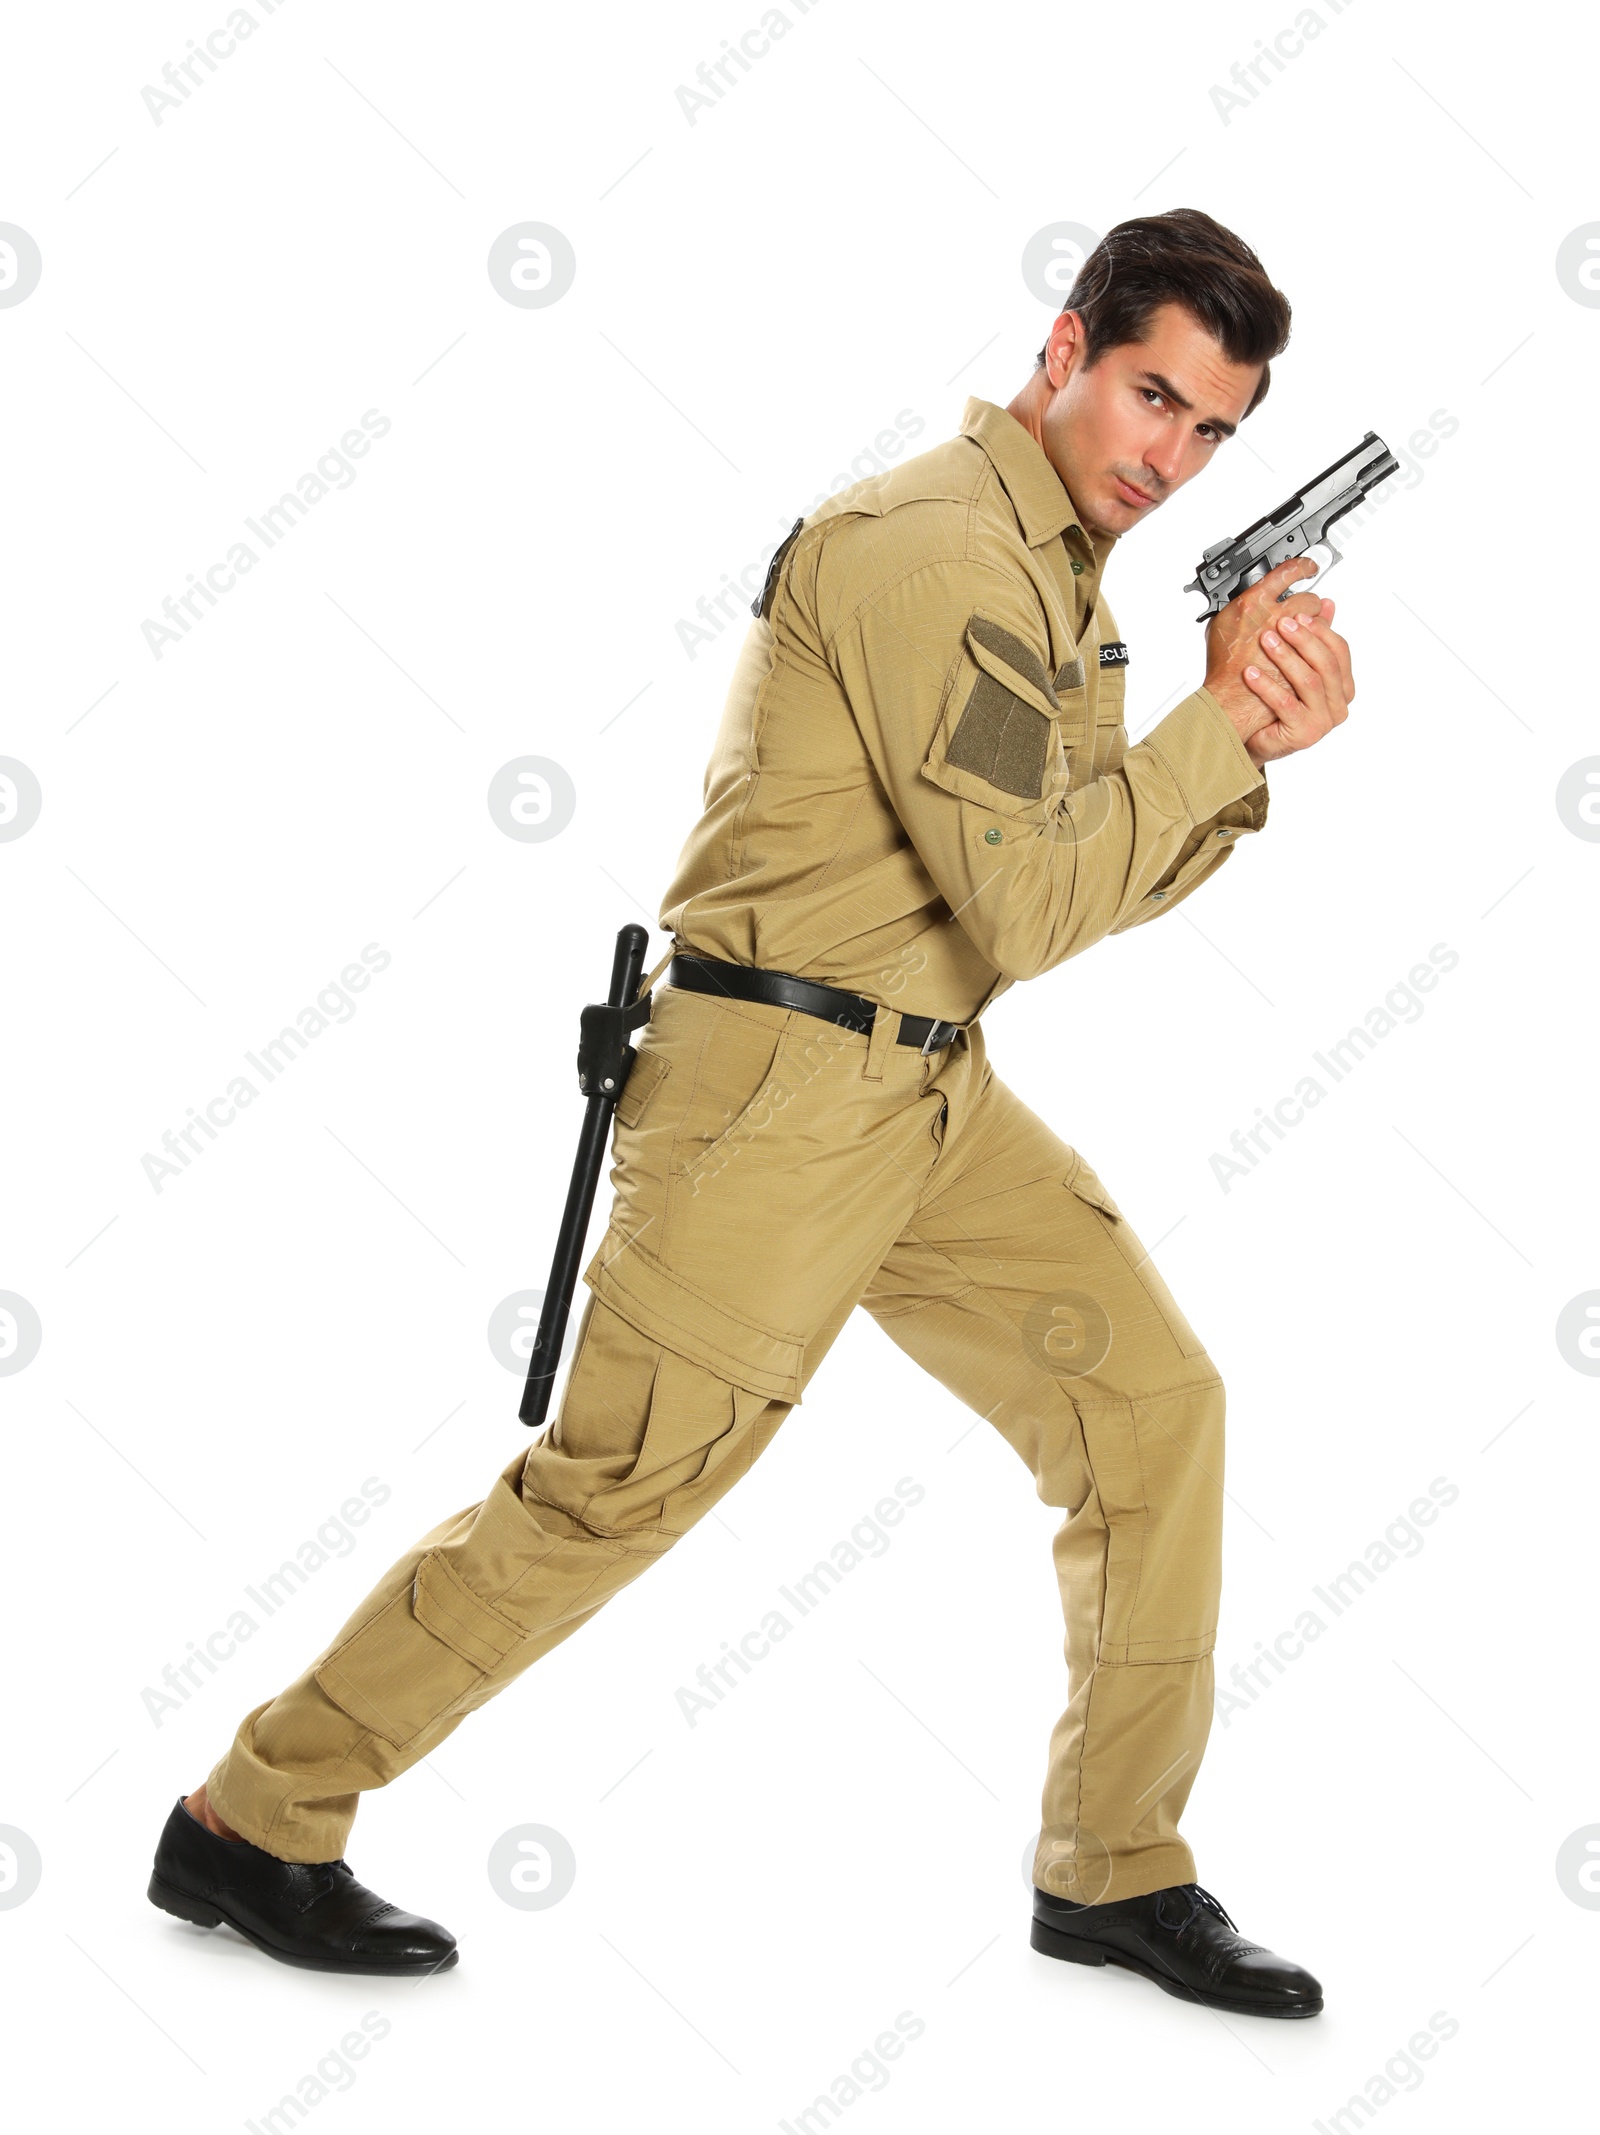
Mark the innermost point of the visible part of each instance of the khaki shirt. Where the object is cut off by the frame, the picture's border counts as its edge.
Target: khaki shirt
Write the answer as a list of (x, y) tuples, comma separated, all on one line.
[(921, 788)]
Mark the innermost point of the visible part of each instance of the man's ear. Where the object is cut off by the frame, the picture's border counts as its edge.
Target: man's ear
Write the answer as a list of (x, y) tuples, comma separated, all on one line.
[(1061, 347)]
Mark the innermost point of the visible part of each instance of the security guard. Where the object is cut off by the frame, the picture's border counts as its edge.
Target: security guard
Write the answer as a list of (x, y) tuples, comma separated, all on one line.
[(920, 793)]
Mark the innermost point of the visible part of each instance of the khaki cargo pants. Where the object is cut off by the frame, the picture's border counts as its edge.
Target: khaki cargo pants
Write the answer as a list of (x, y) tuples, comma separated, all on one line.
[(772, 1171)]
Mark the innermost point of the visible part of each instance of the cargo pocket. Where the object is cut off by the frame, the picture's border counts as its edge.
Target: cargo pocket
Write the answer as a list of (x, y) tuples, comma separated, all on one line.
[(1086, 1185), (661, 1302), (1161, 1568), (400, 1673), (473, 1603), (688, 1258), (697, 1442)]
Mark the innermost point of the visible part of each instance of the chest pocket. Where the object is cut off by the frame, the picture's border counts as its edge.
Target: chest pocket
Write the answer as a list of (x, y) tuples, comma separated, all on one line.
[(1110, 739), (1077, 736)]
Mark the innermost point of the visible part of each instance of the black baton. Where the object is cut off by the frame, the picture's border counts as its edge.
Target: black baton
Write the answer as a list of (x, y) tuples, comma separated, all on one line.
[(604, 1060)]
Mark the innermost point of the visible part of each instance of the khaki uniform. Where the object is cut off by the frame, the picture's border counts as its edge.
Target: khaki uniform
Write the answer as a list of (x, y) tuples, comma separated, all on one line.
[(925, 746), (921, 791)]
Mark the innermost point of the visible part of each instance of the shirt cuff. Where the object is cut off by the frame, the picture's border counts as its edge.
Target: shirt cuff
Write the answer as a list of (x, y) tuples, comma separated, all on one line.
[(1200, 747)]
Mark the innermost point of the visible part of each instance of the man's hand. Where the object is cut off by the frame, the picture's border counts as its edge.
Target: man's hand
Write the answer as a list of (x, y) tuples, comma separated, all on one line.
[(1279, 672)]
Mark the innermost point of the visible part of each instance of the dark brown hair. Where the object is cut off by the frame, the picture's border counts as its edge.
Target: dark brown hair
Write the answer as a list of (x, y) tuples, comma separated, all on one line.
[(1182, 257)]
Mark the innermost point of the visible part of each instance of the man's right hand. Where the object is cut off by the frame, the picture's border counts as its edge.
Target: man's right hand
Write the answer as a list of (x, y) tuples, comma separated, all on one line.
[(1286, 696)]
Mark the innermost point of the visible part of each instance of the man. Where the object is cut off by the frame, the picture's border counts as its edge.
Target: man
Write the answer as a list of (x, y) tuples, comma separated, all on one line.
[(920, 793)]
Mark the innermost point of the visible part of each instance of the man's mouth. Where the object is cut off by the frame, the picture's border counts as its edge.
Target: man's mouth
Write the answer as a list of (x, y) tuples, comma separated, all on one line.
[(1129, 494)]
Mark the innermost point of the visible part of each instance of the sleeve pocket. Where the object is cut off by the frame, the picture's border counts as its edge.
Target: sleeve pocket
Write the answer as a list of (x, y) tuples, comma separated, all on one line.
[(999, 742)]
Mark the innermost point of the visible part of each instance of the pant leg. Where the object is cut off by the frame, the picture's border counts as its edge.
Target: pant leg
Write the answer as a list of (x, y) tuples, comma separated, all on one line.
[(646, 1442), (763, 1163), (1020, 1286)]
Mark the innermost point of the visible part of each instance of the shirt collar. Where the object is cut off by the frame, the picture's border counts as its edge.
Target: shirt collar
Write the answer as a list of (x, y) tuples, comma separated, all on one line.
[(1040, 497)]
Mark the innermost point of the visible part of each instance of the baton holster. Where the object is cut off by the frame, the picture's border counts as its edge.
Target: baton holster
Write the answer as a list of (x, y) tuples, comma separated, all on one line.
[(604, 1055), (605, 1059)]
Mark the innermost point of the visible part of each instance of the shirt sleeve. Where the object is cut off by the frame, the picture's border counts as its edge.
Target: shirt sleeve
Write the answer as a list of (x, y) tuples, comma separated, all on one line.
[(1207, 845), (946, 672)]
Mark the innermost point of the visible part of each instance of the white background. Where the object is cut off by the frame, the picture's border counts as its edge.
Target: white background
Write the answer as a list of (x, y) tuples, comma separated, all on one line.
[(223, 828)]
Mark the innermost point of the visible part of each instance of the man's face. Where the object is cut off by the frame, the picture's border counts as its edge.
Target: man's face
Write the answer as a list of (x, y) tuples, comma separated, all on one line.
[(1120, 435)]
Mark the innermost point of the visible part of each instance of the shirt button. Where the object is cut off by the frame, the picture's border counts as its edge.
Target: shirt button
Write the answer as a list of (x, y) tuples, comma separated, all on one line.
[(1077, 568), (1224, 833), (1156, 896), (993, 837)]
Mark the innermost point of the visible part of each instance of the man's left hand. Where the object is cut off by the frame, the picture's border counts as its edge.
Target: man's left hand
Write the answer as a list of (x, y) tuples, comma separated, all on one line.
[(1304, 679)]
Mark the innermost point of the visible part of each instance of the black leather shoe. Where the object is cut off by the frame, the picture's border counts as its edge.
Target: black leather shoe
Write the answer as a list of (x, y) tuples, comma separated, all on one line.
[(1183, 1940), (309, 1913)]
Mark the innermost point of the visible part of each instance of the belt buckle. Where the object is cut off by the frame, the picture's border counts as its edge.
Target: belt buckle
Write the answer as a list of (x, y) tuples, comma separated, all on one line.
[(935, 1026)]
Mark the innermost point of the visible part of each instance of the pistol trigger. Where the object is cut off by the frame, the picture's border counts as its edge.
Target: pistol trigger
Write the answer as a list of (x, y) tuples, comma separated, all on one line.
[(1314, 585)]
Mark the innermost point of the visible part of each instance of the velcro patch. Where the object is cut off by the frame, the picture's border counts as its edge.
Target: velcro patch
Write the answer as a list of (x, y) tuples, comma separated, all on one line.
[(1114, 654), (1002, 738)]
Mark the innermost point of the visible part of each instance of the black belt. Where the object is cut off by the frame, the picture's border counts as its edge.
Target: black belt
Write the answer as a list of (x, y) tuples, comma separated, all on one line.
[(780, 989)]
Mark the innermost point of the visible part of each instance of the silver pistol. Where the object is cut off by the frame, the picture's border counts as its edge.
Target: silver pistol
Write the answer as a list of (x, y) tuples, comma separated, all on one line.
[(1294, 529)]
